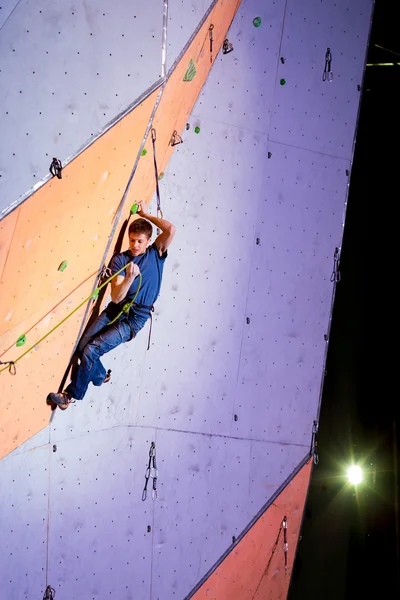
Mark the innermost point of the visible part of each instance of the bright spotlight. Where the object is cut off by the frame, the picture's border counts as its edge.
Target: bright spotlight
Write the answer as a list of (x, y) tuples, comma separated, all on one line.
[(354, 474)]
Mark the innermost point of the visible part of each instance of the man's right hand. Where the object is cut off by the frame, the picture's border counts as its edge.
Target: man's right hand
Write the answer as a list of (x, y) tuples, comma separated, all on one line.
[(132, 271)]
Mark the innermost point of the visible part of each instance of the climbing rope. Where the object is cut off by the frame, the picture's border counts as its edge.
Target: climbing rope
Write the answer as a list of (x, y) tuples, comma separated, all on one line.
[(159, 211), (127, 306), (22, 338), (93, 296)]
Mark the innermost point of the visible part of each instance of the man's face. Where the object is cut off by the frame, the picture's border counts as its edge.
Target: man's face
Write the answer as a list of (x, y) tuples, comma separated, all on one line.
[(138, 243)]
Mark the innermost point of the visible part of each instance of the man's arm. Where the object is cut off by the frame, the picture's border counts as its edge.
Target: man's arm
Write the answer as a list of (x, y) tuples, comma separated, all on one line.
[(120, 285), (168, 230)]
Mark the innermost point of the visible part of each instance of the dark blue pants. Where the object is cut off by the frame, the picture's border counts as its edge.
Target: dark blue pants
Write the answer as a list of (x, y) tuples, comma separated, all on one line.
[(96, 341)]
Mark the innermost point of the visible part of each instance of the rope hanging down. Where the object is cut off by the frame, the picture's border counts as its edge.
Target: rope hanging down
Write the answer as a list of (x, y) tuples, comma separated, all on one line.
[(93, 296), (159, 211)]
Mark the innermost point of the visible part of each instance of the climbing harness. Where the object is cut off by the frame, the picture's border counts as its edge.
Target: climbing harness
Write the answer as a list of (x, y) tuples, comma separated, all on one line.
[(49, 593), (314, 443), (56, 168), (152, 472), (11, 366), (285, 542), (335, 277), (124, 313), (327, 74)]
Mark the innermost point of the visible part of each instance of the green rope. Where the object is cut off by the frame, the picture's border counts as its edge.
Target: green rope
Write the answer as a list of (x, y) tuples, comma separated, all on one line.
[(94, 295)]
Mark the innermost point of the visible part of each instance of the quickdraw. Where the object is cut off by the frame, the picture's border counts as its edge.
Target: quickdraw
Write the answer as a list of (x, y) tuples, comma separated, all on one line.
[(151, 472), (314, 443), (11, 366), (327, 74), (49, 594), (336, 277), (159, 211)]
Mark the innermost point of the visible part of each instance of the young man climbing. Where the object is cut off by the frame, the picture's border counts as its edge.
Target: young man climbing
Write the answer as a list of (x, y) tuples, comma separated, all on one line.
[(144, 270)]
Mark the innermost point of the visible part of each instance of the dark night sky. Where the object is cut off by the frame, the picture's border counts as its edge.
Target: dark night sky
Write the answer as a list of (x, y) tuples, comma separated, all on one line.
[(349, 545)]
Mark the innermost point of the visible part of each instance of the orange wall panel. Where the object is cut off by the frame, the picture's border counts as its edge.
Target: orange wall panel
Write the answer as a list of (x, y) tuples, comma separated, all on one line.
[(255, 569), (7, 226), (23, 407), (69, 219)]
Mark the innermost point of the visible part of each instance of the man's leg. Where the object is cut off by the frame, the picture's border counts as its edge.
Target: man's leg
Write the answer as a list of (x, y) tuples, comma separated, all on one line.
[(91, 368), (98, 371)]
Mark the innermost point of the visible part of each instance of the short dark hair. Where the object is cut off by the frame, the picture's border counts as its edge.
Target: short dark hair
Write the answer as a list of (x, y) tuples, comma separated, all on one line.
[(141, 226)]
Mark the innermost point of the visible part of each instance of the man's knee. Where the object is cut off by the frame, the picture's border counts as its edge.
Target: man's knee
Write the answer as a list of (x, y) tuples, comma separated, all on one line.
[(91, 351)]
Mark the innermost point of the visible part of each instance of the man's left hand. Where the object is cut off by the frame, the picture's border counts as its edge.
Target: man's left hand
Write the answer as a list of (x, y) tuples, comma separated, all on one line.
[(141, 208)]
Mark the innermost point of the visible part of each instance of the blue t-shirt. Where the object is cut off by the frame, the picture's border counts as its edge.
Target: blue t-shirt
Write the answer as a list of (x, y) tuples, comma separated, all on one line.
[(151, 266)]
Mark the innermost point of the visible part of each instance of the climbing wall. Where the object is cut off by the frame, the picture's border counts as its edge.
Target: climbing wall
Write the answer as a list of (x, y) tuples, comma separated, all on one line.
[(231, 385)]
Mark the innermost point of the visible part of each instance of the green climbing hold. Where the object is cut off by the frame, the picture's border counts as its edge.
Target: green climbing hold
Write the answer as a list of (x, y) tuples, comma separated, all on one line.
[(134, 209), (21, 340), (197, 129), (144, 152), (257, 22), (161, 175), (63, 265), (282, 81), (191, 72), (95, 294)]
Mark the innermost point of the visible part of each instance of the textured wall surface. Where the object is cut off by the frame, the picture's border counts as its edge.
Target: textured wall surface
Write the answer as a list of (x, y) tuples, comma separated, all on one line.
[(231, 385), (260, 564)]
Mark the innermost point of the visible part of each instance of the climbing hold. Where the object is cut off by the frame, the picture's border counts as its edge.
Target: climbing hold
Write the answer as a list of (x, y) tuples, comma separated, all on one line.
[(197, 129), (95, 294), (144, 152), (161, 175), (257, 22), (21, 340), (282, 81), (63, 265), (134, 209), (190, 72)]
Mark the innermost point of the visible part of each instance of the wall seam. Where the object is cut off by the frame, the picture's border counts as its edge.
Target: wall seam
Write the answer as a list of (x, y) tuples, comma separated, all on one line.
[(249, 526)]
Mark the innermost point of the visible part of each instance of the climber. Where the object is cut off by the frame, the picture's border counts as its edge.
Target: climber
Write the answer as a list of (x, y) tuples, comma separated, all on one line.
[(141, 258)]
